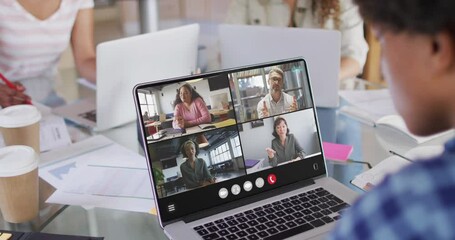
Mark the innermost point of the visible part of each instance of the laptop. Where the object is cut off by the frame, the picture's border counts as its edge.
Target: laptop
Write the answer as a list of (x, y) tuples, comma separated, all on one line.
[(242, 45), (125, 62), (234, 190)]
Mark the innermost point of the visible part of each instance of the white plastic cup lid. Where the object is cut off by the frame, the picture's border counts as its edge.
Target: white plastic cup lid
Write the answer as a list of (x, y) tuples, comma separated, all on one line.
[(17, 160), (19, 116)]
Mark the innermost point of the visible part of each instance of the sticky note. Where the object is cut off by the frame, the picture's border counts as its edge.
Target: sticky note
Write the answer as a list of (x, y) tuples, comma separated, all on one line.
[(5, 236), (336, 152), (153, 211)]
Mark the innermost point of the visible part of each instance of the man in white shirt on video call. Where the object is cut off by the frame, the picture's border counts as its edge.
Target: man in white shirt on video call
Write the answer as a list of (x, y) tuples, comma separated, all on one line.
[(276, 101)]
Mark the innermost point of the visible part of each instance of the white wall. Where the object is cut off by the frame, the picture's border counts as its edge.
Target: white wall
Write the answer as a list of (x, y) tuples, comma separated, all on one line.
[(167, 95), (301, 124)]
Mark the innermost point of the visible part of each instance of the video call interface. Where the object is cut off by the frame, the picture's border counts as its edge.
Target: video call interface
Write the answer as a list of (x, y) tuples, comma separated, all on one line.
[(205, 131)]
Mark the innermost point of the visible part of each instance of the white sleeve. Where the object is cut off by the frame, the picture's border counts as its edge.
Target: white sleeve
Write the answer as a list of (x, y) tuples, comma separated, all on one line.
[(288, 101), (87, 4), (259, 108), (353, 43), (237, 12)]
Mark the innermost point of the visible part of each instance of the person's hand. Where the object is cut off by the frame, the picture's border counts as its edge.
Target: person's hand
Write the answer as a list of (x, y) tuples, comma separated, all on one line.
[(295, 159), (264, 110), (180, 121), (293, 106), (9, 96), (270, 152), (208, 182)]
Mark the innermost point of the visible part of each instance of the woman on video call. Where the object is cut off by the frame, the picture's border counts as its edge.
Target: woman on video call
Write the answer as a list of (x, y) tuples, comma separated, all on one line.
[(284, 146), (189, 108), (194, 170)]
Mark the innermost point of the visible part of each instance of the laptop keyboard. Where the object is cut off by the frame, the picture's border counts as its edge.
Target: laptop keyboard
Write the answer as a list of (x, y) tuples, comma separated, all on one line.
[(278, 220), (91, 115)]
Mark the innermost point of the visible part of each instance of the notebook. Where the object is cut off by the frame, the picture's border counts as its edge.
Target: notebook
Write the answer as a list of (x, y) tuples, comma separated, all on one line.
[(208, 193), (243, 45), (125, 62)]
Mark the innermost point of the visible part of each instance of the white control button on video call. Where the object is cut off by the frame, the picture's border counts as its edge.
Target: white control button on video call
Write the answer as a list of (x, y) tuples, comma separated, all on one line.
[(247, 186), (235, 189), (259, 182), (223, 193)]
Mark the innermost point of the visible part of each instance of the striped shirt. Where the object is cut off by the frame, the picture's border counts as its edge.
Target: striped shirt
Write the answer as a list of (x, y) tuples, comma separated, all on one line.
[(30, 48)]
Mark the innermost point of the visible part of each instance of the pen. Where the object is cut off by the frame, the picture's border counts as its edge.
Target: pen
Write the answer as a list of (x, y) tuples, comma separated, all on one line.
[(11, 85), (399, 155)]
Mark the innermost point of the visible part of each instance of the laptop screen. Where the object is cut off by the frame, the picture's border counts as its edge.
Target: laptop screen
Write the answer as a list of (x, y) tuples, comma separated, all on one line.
[(219, 137)]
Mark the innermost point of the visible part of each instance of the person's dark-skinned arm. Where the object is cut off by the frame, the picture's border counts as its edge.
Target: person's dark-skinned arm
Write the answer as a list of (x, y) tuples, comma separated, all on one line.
[(10, 97)]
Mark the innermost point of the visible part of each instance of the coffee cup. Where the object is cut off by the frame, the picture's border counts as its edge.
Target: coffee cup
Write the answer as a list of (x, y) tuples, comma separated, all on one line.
[(19, 125), (19, 186)]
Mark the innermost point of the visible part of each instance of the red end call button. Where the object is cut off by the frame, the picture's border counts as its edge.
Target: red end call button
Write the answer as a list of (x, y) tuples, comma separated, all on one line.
[(271, 179)]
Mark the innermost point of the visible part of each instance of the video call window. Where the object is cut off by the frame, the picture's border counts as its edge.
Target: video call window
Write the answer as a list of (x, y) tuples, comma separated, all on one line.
[(216, 160), (174, 110), (279, 140), (238, 124), (270, 91)]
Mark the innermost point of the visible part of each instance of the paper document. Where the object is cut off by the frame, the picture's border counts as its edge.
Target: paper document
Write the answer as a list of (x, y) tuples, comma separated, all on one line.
[(107, 187), (99, 173), (396, 123), (55, 164), (375, 108), (368, 105), (53, 133), (393, 164)]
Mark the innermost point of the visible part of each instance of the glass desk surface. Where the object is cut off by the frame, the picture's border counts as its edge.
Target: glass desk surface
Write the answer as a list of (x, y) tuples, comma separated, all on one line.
[(117, 224)]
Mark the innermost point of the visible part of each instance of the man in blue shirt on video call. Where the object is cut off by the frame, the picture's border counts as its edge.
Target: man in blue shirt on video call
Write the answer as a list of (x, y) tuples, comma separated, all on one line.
[(417, 39)]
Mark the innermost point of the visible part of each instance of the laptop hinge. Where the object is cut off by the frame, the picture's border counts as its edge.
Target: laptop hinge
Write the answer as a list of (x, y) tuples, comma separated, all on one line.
[(248, 200)]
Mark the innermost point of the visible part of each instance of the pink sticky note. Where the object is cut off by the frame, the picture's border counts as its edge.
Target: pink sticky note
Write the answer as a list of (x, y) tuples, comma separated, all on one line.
[(337, 152)]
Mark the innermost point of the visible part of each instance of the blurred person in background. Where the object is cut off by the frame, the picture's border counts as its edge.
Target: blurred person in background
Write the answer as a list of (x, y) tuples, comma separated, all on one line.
[(33, 35), (339, 15)]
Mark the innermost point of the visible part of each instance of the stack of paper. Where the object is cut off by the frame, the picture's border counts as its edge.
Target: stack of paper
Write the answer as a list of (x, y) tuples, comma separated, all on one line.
[(97, 172)]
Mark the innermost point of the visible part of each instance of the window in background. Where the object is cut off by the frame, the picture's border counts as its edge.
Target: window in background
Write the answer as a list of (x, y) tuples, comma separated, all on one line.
[(236, 149), (147, 103), (221, 154)]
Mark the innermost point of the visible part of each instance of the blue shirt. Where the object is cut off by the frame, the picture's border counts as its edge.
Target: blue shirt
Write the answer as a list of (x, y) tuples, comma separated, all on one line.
[(416, 203)]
